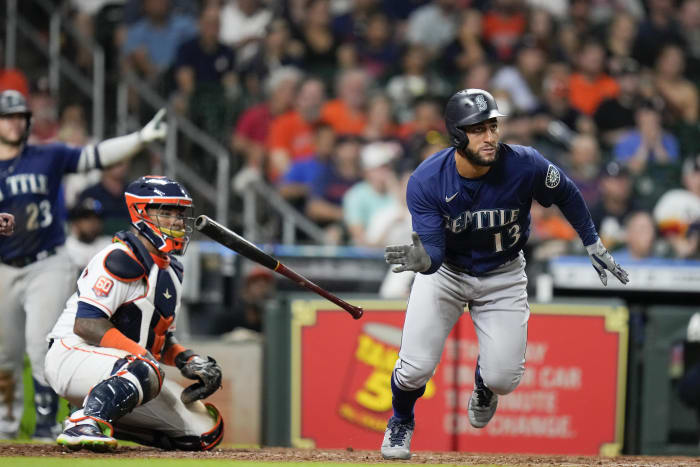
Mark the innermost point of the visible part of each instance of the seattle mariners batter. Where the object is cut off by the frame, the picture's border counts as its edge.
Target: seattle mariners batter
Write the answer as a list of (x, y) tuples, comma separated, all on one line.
[(470, 208), (105, 349), (35, 275)]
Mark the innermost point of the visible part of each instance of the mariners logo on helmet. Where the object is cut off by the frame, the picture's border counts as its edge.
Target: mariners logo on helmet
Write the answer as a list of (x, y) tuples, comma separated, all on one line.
[(12, 102), (553, 177), (169, 230), (480, 102)]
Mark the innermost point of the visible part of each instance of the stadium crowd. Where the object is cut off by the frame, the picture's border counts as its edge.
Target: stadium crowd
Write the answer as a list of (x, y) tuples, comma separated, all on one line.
[(335, 102)]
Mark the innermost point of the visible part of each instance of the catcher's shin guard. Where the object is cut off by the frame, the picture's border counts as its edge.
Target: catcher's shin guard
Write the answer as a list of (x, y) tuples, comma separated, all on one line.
[(136, 382), (158, 439)]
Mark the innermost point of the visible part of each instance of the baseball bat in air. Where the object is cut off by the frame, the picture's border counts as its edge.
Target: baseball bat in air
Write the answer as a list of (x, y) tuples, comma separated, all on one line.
[(240, 245)]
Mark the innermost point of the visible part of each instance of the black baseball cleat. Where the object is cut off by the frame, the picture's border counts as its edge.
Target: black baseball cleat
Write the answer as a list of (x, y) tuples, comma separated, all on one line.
[(482, 404), (397, 439), (88, 436)]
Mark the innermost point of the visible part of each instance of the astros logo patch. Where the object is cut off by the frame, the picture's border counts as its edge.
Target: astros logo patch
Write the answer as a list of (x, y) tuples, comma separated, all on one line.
[(553, 177), (103, 286)]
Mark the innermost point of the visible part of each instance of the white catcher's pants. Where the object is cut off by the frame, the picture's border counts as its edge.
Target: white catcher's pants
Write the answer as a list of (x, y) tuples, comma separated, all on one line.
[(73, 368), (499, 310)]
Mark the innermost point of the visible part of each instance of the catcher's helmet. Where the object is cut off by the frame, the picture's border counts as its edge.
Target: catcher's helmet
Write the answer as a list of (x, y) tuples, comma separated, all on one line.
[(157, 191), (12, 102), (467, 107)]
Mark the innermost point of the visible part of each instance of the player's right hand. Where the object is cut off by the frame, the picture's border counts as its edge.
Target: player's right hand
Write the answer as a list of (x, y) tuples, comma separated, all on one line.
[(602, 260), (156, 129), (7, 223), (408, 257)]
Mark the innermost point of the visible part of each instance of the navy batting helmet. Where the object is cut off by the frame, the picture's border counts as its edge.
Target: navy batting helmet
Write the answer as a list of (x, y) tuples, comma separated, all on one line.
[(152, 191), (468, 107), (13, 103)]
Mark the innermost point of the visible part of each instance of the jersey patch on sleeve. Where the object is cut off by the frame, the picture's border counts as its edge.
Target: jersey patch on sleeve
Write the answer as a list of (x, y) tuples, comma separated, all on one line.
[(103, 286), (120, 265), (553, 177)]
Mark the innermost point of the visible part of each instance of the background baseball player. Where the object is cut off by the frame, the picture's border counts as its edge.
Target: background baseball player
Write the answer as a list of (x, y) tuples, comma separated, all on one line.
[(470, 208), (35, 276), (105, 348)]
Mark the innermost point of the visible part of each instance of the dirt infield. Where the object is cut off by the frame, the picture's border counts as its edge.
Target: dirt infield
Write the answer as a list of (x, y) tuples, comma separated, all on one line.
[(360, 457)]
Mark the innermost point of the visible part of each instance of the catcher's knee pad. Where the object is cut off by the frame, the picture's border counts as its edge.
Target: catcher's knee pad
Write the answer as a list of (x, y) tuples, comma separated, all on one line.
[(413, 375), (134, 381), (501, 382), (158, 439)]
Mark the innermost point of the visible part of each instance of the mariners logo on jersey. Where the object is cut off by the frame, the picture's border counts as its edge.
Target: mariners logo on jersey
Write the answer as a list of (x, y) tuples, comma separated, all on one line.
[(553, 177)]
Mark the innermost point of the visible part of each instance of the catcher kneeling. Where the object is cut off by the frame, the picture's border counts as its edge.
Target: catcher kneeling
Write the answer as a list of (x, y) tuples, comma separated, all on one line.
[(117, 329)]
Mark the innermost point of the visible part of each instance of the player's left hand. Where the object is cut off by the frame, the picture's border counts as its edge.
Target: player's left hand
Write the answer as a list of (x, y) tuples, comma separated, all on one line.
[(7, 223), (208, 374), (156, 129), (602, 260), (408, 257)]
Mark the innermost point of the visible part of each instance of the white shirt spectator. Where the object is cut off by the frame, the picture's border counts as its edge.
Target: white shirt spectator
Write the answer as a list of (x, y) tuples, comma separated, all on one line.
[(236, 27)]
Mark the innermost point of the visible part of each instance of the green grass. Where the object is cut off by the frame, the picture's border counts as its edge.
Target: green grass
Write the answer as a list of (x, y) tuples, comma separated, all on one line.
[(120, 462)]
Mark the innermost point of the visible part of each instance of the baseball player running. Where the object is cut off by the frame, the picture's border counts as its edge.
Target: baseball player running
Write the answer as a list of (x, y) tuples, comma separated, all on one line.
[(106, 349), (35, 275), (470, 208)]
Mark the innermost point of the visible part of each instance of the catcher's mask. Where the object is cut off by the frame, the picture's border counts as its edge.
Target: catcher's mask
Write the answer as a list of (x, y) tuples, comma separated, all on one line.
[(170, 227)]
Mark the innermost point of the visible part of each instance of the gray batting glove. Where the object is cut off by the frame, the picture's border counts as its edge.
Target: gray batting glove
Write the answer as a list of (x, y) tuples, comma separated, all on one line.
[(156, 129), (410, 257), (602, 260)]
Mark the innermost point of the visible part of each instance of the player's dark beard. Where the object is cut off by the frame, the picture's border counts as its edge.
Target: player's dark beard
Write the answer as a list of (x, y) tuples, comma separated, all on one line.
[(16, 142), (476, 159)]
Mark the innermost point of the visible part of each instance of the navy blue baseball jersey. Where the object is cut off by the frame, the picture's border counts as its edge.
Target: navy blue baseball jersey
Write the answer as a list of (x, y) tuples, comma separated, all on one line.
[(479, 224), (29, 189)]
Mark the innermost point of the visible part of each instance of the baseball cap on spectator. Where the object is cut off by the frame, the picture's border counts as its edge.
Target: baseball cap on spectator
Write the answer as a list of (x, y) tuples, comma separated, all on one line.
[(86, 208), (614, 169), (259, 272), (377, 154)]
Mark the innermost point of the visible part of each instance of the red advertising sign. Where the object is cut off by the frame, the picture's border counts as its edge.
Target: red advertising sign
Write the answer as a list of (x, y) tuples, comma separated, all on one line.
[(570, 401)]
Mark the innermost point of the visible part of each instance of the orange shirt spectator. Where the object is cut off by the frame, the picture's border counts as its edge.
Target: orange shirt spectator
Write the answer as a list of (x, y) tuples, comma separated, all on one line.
[(13, 79), (293, 134), (503, 30), (343, 120), (586, 95)]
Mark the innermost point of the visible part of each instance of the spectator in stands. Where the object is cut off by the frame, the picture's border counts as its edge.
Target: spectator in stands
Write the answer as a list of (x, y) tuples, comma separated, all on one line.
[(279, 49), (328, 188), (381, 124), (616, 203), (417, 79), (249, 138), (432, 26), (640, 237), (651, 154), (320, 44), (108, 195), (244, 24), (619, 43), (374, 192), (522, 81), (551, 234), (590, 85), (377, 51), (542, 28), (657, 30), (152, 42), (584, 167), (689, 19), (86, 227), (677, 214), (207, 84), (680, 95), (468, 48), (291, 134), (347, 113), (44, 108), (615, 115), (353, 24), (73, 127), (504, 24), (248, 309), (297, 183), (427, 124)]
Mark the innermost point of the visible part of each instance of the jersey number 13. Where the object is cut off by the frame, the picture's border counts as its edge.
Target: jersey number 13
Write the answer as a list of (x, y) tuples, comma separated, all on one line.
[(510, 236)]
